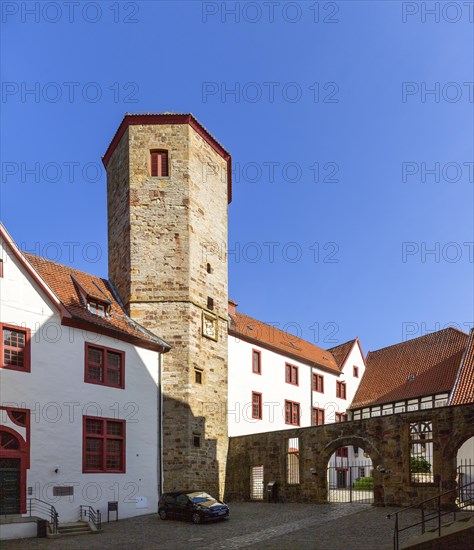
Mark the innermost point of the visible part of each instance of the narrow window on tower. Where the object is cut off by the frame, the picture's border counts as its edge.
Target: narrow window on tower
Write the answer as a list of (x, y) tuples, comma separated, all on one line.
[(159, 163), (210, 303), (209, 268), (198, 376), (196, 440)]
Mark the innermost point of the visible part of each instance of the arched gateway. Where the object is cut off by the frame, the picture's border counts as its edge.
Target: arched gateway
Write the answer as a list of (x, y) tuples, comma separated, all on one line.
[(407, 467)]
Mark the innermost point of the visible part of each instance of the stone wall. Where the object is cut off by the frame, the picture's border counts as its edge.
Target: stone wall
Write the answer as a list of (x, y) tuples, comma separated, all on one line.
[(385, 439), (168, 229)]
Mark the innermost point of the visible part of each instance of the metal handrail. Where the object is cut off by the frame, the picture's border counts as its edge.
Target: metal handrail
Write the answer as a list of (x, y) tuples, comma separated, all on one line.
[(435, 514), (94, 516), (40, 506)]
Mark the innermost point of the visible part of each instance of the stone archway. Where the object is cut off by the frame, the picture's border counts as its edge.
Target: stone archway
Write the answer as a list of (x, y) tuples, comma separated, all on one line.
[(448, 463), (322, 458)]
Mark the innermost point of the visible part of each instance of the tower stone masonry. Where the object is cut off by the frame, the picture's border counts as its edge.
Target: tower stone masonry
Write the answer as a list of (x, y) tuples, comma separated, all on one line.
[(167, 238)]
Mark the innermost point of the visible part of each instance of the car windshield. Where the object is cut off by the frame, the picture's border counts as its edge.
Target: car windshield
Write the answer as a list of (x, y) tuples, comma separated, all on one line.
[(199, 497)]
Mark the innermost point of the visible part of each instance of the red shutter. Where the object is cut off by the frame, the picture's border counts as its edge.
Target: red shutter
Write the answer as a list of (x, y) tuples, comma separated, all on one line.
[(159, 163)]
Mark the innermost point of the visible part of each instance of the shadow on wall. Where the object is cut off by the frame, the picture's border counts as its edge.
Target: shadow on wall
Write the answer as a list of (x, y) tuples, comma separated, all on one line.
[(189, 459)]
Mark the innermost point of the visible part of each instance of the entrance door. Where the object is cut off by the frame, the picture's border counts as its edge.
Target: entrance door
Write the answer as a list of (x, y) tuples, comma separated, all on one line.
[(10, 495), (341, 478)]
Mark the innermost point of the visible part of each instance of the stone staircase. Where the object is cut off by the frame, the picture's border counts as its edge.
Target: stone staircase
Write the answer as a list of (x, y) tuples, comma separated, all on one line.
[(74, 528), (456, 535)]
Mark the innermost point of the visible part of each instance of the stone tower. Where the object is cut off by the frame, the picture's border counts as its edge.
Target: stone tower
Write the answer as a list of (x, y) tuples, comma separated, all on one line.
[(167, 237)]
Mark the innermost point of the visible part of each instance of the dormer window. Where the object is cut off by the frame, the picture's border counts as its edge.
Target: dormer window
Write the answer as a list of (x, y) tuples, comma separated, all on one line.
[(98, 308), (93, 298)]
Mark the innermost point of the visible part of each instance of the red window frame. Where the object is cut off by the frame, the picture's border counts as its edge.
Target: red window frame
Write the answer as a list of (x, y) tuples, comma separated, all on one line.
[(342, 452), (256, 405), (291, 374), (1, 268), (103, 453), (96, 307), (292, 413), (26, 367), (89, 365), (256, 361), (342, 417), (318, 382), (317, 417), (355, 371), (341, 390), (159, 163)]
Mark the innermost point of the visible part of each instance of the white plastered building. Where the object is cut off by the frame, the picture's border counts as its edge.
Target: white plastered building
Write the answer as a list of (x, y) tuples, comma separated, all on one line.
[(80, 399)]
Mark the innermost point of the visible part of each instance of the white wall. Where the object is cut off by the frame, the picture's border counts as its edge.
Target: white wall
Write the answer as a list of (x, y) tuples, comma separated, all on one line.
[(271, 384), (58, 397)]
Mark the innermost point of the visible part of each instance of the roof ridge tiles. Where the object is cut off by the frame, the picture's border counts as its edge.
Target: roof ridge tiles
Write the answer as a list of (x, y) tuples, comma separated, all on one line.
[(418, 338)]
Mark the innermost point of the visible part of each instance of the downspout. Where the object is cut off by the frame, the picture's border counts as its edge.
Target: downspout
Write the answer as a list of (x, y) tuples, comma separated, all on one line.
[(160, 428)]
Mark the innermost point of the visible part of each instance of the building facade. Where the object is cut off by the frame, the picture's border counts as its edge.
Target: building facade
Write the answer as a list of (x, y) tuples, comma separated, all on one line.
[(91, 414), (279, 381), (79, 386)]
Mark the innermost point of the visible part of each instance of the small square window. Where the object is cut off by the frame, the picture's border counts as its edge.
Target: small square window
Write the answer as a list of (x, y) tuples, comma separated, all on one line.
[(104, 366), (101, 309), (15, 348), (197, 440), (356, 371)]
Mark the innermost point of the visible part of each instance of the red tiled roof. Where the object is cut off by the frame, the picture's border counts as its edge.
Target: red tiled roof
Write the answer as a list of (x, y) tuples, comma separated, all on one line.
[(62, 281), (464, 388), (434, 359), (267, 336), (341, 352)]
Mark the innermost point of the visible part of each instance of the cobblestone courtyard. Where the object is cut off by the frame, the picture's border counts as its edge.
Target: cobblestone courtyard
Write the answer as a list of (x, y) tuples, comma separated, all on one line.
[(251, 525)]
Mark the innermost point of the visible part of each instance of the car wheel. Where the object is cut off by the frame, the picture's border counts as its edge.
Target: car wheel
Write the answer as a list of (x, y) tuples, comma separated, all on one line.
[(196, 517), (162, 513)]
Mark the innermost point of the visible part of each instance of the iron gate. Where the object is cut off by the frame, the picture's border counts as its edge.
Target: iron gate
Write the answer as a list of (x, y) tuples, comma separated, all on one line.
[(465, 475), (256, 483), (350, 481)]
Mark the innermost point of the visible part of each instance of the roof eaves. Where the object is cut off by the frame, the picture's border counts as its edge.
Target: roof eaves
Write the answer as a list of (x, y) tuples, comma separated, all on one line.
[(461, 367), (295, 356), (166, 347)]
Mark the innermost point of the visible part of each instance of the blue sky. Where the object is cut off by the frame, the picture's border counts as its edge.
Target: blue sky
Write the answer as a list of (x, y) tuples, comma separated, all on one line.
[(327, 112)]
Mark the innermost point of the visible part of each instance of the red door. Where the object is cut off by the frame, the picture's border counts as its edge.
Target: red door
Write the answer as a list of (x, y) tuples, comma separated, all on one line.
[(12, 472)]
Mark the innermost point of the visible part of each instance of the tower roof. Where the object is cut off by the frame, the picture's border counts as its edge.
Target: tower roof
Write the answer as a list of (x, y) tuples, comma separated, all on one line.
[(171, 118)]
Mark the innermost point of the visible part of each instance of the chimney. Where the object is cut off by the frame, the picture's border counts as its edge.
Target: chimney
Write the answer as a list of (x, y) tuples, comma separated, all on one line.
[(232, 306)]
